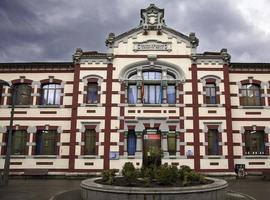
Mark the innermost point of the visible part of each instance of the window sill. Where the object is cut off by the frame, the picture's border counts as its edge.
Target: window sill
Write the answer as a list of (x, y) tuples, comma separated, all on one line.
[(48, 106), (88, 157), (91, 105), (251, 107), (256, 156), (213, 157), (44, 156), (211, 105)]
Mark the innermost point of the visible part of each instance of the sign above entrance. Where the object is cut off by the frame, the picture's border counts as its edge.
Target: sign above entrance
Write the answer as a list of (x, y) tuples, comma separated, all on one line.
[(152, 45)]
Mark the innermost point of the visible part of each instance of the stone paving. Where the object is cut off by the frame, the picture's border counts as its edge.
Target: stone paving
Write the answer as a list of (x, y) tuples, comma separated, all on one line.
[(44, 189)]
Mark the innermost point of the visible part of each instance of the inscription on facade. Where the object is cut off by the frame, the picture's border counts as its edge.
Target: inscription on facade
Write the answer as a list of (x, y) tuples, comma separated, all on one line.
[(152, 45)]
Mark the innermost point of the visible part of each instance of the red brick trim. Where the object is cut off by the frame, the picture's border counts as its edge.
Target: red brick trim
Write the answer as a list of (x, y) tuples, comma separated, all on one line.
[(228, 117), (145, 56), (108, 113), (195, 103), (74, 117)]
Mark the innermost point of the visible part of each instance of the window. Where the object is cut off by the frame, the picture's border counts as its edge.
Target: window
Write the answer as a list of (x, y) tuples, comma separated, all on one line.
[(132, 94), (51, 94), (213, 146), (18, 144), (171, 96), (92, 92), (46, 142), (90, 142), (251, 95), (254, 142), (22, 94), (131, 142), (151, 75), (171, 142), (152, 94), (211, 97)]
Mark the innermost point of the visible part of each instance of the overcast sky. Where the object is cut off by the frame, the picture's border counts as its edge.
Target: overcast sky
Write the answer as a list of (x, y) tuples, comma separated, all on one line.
[(51, 30)]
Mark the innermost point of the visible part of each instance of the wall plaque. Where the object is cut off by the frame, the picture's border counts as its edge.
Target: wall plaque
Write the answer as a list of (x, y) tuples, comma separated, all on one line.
[(152, 45)]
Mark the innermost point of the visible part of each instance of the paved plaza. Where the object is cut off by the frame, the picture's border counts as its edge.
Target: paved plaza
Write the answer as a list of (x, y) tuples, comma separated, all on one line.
[(45, 189)]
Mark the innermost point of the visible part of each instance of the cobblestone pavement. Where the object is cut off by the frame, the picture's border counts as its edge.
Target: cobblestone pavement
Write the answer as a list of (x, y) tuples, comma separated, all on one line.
[(44, 189)]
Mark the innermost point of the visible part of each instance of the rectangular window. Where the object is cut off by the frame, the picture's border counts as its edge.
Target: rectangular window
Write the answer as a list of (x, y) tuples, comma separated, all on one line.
[(131, 142), (132, 94), (46, 142), (171, 140), (92, 93), (152, 94), (171, 96), (213, 146), (211, 97), (251, 95), (90, 142), (254, 143), (18, 144)]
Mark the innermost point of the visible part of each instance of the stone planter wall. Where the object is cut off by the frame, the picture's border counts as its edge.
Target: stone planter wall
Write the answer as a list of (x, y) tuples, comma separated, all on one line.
[(93, 191)]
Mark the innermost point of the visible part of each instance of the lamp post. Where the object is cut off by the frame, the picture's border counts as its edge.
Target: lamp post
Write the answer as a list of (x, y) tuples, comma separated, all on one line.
[(8, 145)]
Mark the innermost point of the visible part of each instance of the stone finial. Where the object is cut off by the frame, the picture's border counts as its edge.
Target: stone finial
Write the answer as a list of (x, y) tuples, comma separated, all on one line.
[(110, 40), (193, 40), (77, 55), (225, 55)]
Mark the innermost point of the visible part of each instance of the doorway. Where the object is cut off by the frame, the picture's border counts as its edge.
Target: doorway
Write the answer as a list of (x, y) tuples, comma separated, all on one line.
[(151, 147)]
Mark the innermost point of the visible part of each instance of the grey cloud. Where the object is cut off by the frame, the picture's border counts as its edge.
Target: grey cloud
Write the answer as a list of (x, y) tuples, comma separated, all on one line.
[(33, 30)]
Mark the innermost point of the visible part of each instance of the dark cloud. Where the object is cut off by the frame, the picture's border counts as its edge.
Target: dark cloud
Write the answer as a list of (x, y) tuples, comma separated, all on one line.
[(32, 30)]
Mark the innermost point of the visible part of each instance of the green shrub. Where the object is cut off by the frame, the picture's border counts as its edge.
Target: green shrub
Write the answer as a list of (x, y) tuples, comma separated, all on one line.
[(167, 175), (129, 173), (108, 176), (148, 174)]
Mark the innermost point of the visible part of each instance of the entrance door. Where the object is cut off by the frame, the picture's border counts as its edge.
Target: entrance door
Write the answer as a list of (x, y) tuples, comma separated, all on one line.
[(151, 147)]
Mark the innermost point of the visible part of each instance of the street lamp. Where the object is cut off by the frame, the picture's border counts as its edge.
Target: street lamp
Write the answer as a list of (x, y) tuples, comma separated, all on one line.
[(8, 145)]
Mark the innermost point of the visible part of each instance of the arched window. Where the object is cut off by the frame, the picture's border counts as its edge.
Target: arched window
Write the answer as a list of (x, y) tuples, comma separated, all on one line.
[(50, 94), (251, 95), (150, 87), (131, 142), (22, 94)]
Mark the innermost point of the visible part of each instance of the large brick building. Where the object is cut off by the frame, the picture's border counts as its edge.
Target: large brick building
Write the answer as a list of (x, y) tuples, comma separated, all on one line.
[(151, 93)]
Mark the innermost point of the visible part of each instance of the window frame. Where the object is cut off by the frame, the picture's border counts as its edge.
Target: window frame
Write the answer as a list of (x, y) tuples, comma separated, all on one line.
[(24, 150), (16, 90), (172, 135), (131, 151), (211, 89), (40, 137), (59, 89), (214, 149), (249, 139), (253, 100), (88, 134)]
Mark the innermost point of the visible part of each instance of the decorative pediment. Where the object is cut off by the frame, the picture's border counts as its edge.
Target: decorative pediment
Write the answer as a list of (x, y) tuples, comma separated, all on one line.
[(152, 17)]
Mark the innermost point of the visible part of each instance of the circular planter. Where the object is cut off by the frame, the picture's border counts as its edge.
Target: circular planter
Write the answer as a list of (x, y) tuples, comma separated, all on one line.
[(92, 190)]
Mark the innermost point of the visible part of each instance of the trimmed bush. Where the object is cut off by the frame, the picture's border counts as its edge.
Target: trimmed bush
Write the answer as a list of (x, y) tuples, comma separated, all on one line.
[(129, 173), (167, 175), (109, 175)]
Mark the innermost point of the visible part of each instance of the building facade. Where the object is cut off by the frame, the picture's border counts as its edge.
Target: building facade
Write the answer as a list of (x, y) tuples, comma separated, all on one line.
[(151, 98)]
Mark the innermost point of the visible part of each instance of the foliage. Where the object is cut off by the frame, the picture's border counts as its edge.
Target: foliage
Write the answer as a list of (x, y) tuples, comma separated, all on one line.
[(109, 175), (129, 173), (166, 175), (148, 174)]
